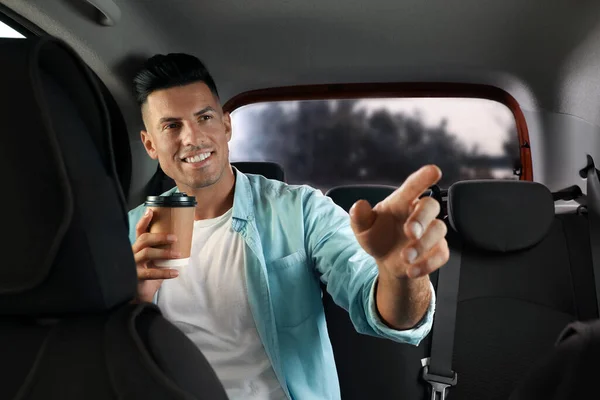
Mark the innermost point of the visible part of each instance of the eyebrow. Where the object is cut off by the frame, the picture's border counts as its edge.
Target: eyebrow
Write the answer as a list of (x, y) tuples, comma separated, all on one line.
[(204, 111), (177, 119)]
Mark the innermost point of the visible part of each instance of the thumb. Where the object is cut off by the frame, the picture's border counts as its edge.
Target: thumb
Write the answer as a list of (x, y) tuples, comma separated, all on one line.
[(362, 216)]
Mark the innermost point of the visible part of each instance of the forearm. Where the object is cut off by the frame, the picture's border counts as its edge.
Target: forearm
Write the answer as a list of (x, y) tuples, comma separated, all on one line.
[(402, 303)]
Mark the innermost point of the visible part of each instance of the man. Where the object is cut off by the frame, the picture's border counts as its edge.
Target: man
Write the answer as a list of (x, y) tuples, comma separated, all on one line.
[(250, 297)]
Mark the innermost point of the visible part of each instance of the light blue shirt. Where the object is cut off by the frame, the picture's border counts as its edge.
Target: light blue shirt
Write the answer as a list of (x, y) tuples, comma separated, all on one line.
[(295, 236)]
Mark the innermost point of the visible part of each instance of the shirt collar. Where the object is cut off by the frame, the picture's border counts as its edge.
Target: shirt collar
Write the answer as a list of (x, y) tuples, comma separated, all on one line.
[(243, 200)]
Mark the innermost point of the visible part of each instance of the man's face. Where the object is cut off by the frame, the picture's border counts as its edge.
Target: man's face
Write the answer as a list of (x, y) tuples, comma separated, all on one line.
[(187, 131)]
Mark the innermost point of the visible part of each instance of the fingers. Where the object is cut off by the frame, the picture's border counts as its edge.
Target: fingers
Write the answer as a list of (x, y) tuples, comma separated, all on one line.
[(401, 200), (430, 261), (149, 254), (143, 223), (362, 216), (156, 273), (425, 212), (145, 252), (427, 234), (152, 240), (435, 233)]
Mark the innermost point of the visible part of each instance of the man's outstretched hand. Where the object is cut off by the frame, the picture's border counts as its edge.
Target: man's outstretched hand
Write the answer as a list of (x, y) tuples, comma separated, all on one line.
[(408, 243), (402, 232)]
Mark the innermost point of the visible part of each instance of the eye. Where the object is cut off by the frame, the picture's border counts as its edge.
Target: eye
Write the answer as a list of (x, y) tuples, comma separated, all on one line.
[(173, 125), (205, 117)]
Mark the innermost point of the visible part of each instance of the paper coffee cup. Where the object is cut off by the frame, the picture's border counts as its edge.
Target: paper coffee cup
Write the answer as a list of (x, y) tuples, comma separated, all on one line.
[(173, 214)]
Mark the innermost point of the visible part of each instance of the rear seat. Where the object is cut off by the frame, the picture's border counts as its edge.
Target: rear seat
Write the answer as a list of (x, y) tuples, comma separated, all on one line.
[(525, 274), (518, 285), (392, 369), (346, 196)]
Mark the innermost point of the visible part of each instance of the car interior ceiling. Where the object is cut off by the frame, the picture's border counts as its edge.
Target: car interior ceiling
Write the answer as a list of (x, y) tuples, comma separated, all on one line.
[(506, 295)]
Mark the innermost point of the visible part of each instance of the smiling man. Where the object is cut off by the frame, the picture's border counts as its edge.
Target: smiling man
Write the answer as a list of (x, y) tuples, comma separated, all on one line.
[(250, 298)]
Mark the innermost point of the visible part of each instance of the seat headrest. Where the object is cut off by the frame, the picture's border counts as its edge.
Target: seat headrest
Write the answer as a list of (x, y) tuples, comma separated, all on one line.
[(346, 196), (119, 137), (269, 170), (66, 248), (160, 182), (500, 216)]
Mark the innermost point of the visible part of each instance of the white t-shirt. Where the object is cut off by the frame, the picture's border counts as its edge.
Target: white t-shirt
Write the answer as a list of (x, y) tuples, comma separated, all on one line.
[(209, 303)]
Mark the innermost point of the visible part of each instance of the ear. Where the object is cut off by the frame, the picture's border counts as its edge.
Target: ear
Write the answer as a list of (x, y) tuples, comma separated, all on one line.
[(149, 144), (227, 123)]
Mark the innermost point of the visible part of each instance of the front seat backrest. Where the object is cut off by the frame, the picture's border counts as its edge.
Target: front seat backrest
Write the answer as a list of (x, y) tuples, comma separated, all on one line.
[(516, 287), (119, 137), (67, 276)]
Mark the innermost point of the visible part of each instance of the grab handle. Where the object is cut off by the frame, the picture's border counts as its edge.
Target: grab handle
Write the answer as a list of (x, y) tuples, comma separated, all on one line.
[(109, 14)]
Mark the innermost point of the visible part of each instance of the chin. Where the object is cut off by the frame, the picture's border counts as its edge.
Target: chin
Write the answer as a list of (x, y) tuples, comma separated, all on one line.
[(201, 179), (202, 183)]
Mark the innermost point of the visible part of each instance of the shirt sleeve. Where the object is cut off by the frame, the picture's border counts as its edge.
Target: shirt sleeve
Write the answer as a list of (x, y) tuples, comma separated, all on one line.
[(348, 271), (412, 336), (134, 217)]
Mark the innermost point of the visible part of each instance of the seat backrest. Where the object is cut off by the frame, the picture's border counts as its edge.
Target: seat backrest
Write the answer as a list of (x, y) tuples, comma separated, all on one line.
[(566, 373), (518, 287), (370, 367), (345, 196), (269, 170), (119, 137), (525, 274), (67, 277)]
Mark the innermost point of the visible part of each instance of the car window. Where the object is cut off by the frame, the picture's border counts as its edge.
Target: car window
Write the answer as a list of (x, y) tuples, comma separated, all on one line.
[(325, 143), (8, 32)]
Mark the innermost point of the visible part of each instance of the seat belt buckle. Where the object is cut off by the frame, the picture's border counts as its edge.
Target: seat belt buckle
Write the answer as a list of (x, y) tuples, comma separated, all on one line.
[(439, 384)]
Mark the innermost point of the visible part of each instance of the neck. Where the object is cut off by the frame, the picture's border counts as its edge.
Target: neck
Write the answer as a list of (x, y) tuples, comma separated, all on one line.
[(214, 200)]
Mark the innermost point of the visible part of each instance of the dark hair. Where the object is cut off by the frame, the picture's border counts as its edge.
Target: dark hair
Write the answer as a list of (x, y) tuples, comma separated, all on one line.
[(167, 71)]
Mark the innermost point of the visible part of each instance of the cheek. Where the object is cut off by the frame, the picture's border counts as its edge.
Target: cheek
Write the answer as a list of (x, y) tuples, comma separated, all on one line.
[(167, 147), (218, 134)]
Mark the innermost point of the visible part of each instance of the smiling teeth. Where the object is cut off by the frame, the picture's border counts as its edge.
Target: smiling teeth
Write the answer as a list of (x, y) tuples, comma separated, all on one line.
[(198, 158)]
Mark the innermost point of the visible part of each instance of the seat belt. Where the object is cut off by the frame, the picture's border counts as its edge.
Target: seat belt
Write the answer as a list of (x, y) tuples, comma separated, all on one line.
[(438, 372), (593, 206)]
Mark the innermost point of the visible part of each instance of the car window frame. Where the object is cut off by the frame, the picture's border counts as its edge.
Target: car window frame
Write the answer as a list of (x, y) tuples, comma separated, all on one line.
[(397, 90), (18, 23)]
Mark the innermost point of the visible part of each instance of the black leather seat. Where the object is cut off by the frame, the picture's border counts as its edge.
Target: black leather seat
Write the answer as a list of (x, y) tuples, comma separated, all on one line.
[(67, 275)]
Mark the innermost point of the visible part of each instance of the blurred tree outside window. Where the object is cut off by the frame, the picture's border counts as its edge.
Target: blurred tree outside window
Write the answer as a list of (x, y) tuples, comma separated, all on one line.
[(325, 143)]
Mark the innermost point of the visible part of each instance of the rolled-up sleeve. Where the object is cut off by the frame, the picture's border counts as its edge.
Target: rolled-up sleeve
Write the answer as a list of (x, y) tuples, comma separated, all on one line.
[(350, 273), (413, 335)]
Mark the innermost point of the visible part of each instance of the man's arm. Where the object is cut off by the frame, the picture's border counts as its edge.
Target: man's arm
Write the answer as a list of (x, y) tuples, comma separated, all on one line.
[(408, 243), (351, 275), (402, 303), (379, 273)]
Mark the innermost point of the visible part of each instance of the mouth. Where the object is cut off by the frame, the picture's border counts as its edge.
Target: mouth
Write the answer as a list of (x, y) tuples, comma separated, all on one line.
[(197, 158)]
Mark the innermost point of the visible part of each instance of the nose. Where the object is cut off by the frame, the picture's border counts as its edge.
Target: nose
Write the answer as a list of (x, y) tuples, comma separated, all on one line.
[(192, 135)]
